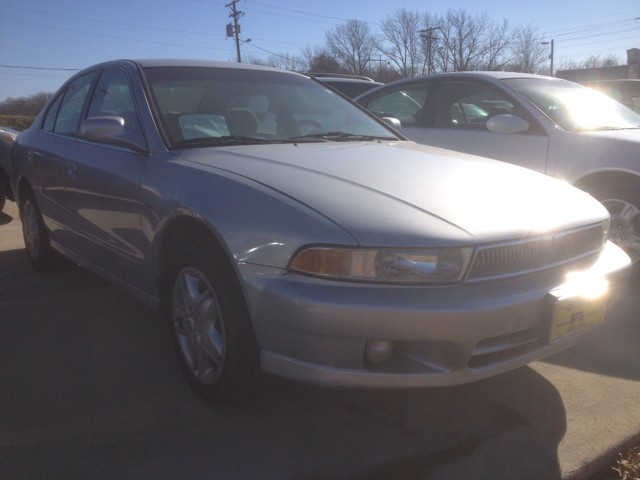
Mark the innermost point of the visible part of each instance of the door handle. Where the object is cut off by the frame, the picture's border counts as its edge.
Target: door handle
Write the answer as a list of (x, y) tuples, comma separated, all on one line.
[(72, 168), (29, 155)]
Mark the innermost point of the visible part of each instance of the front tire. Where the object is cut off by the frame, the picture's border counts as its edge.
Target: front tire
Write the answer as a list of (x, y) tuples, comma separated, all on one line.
[(3, 195), (210, 326), (623, 202)]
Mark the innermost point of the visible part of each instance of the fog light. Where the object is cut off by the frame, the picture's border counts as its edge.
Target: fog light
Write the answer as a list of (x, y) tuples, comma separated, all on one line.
[(379, 351)]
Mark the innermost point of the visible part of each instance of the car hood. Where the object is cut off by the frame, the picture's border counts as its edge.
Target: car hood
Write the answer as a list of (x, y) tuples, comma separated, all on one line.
[(405, 194)]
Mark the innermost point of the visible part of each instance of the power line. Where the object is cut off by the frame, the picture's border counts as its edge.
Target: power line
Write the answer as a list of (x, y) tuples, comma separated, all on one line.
[(114, 23), (114, 36), (141, 26), (599, 41), (32, 75), (42, 68), (271, 13), (291, 59), (300, 11)]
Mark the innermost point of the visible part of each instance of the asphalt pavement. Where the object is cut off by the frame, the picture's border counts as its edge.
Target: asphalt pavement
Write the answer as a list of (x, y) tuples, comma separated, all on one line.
[(89, 388)]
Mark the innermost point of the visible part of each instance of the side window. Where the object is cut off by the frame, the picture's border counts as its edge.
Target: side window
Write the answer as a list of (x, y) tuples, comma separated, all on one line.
[(112, 97), (404, 103), (468, 105), (50, 117), (68, 120)]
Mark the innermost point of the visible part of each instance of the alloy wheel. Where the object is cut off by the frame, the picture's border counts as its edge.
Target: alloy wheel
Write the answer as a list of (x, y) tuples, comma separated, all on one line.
[(625, 226), (198, 325)]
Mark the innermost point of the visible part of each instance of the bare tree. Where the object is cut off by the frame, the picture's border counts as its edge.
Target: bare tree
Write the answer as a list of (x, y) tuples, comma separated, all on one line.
[(529, 55), (30, 105), (401, 42), (595, 61), (463, 41), (320, 60), (283, 61), (352, 45), (499, 40)]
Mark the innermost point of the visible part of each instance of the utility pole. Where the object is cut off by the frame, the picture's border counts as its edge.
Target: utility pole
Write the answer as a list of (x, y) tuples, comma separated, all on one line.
[(379, 65), (235, 28), (427, 35), (550, 56)]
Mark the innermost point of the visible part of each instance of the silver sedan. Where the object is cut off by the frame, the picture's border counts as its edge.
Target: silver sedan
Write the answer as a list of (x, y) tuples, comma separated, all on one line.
[(279, 227)]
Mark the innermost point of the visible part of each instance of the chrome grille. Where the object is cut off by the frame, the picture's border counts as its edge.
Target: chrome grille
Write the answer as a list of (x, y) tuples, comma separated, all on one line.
[(534, 254)]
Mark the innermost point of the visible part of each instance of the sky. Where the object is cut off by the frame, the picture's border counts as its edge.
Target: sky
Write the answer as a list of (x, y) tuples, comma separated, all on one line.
[(55, 37)]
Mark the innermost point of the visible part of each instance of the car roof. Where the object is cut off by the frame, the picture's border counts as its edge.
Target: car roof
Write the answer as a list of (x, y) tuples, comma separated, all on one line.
[(347, 80), (181, 62), (474, 74)]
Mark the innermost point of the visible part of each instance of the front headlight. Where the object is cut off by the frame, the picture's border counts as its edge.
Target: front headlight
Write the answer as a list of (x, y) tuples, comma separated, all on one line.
[(386, 265)]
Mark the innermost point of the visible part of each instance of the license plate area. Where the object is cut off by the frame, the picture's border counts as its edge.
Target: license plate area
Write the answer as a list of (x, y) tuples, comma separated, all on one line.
[(572, 314)]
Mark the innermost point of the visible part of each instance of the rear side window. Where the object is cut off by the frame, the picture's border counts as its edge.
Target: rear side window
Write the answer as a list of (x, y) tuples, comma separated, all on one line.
[(68, 119), (52, 113)]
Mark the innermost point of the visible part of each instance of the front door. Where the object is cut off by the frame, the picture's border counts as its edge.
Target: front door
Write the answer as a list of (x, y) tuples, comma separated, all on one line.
[(460, 123), (102, 195)]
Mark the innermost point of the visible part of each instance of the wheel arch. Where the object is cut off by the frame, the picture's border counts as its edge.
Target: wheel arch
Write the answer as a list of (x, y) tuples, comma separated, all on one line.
[(4, 178), (607, 179), (178, 231)]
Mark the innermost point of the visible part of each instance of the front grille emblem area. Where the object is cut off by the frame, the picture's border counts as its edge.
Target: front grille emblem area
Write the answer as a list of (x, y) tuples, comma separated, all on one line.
[(514, 258)]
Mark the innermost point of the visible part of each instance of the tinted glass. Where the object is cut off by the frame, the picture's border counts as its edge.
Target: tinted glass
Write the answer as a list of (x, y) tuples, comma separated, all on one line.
[(351, 89), (217, 102), (52, 113), (112, 97), (468, 105), (68, 120), (404, 103)]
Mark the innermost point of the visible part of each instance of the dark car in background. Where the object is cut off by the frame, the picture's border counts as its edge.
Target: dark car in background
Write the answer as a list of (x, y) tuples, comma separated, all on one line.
[(7, 138), (349, 85)]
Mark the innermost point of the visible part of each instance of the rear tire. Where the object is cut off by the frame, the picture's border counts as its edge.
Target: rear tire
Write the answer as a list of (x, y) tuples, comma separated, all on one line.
[(211, 331), (36, 237)]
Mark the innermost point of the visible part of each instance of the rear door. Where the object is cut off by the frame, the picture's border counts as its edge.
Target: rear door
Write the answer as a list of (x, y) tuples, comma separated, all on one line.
[(48, 150)]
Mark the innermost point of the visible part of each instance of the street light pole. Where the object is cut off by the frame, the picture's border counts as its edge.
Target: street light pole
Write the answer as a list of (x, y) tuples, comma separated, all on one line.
[(550, 56)]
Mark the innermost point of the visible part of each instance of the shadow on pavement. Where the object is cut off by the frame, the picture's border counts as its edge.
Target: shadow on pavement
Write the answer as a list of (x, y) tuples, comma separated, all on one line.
[(90, 389), (614, 349), (5, 218)]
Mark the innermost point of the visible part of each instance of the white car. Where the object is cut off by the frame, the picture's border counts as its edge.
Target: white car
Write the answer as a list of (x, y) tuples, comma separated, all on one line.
[(546, 124)]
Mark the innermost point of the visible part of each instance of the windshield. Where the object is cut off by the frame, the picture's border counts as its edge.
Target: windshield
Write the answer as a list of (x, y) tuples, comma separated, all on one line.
[(574, 107), (222, 106)]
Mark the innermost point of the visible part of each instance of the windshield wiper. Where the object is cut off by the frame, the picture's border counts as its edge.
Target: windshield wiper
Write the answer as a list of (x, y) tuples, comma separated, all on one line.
[(342, 136), (225, 139)]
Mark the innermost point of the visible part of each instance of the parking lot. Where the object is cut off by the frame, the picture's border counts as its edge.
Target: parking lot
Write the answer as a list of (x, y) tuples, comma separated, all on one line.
[(89, 388)]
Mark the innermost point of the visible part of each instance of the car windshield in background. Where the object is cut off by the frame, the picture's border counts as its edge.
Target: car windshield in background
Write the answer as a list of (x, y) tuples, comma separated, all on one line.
[(222, 106), (574, 107)]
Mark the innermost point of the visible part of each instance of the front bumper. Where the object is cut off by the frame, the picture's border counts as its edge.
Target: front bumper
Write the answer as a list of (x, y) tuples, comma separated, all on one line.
[(316, 331)]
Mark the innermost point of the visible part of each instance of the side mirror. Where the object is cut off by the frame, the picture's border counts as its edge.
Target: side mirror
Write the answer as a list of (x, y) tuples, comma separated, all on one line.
[(106, 130), (392, 122), (507, 124)]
